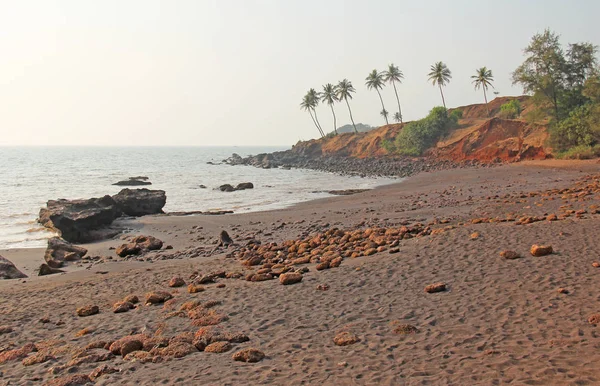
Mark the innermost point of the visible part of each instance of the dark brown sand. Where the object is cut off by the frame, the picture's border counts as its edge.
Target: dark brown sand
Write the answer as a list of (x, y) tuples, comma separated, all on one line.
[(500, 321)]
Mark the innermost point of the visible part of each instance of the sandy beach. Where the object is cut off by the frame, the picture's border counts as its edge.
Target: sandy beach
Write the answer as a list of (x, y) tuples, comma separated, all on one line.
[(499, 321)]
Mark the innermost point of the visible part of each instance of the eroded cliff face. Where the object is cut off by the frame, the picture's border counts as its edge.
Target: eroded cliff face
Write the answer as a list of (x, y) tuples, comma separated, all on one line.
[(477, 137)]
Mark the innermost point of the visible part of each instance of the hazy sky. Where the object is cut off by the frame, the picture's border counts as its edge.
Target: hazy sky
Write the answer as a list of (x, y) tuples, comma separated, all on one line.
[(233, 72)]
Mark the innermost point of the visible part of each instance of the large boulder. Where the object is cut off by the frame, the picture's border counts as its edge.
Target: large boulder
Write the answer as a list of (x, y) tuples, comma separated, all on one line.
[(78, 220), (9, 271), (59, 251), (140, 202)]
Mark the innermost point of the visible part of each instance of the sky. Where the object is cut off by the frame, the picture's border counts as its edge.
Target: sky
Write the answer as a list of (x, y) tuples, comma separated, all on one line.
[(233, 72)]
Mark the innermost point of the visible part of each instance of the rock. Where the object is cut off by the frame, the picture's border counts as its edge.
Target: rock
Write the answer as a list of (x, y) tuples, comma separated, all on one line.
[(322, 287), (226, 188), (80, 221), (225, 239), (139, 245), (405, 329), (345, 338), (120, 307), (5, 329), (244, 186), (17, 354), (59, 251), (9, 271), (541, 250), (45, 269), (594, 319), (39, 357), (510, 255), (176, 281), (193, 288), (474, 235), (102, 370), (250, 355), (140, 202), (175, 350), (131, 346), (218, 347), (436, 287), (290, 278), (134, 181), (70, 380), (88, 311), (563, 291), (133, 299), (157, 297), (551, 217), (130, 343)]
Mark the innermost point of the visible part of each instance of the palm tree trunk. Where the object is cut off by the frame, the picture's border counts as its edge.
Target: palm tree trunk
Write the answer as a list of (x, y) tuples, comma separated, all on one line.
[(334, 120), (319, 123), (443, 100), (382, 106), (486, 103), (398, 99), (352, 119), (315, 122)]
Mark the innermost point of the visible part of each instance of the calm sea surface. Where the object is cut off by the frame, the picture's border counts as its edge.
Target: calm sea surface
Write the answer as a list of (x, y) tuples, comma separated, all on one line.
[(29, 176)]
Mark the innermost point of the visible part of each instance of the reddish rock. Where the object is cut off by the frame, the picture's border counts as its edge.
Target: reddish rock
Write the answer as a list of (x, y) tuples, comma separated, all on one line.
[(218, 347), (290, 278), (541, 250), (130, 343), (157, 297), (345, 338), (250, 355), (87, 311), (133, 299), (39, 357), (221, 285), (563, 291), (405, 329), (122, 307), (177, 281), (102, 370), (194, 288), (436, 287), (322, 287), (5, 329), (175, 350), (510, 255), (322, 266), (594, 319), (595, 264)]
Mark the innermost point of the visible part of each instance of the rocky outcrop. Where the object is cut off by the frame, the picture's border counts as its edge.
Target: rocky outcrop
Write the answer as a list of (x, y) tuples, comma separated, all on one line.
[(240, 186), (80, 221), (140, 202), (134, 181), (9, 271), (45, 270), (60, 251)]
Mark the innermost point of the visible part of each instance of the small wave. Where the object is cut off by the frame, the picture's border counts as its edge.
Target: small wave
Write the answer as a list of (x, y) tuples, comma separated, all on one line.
[(17, 215), (39, 229)]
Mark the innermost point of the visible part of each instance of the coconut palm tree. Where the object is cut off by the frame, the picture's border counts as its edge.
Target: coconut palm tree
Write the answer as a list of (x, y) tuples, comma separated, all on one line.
[(398, 117), (329, 96), (483, 78), (384, 113), (375, 81), (345, 91), (393, 75), (440, 75), (307, 105), (314, 97)]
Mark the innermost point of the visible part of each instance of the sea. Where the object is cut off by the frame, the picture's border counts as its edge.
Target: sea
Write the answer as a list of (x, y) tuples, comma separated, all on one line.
[(30, 176)]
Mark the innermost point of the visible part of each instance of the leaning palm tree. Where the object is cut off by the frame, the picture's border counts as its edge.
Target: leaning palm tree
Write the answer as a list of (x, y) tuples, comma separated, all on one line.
[(440, 75), (345, 91), (483, 78), (307, 104), (393, 75), (329, 96), (398, 117), (314, 97), (375, 80)]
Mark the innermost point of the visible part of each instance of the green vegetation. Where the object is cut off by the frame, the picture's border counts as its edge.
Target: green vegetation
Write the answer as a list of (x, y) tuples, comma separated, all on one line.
[(345, 91), (419, 135), (580, 152), (309, 103), (510, 110), (440, 75), (329, 96), (483, 79), (375, 81)]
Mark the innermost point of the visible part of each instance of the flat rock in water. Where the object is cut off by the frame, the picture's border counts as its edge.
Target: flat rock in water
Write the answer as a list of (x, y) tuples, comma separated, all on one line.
[(9, 271), (140, 202)]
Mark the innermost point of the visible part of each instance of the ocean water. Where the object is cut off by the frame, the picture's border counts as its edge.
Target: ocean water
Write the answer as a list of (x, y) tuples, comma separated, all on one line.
[(30, 176)]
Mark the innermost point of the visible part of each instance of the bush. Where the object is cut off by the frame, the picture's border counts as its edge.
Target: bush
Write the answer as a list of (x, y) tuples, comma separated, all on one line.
[(388, 146), (456, 115), (580, 129), (420, 135), (510, 110), (580, 152)]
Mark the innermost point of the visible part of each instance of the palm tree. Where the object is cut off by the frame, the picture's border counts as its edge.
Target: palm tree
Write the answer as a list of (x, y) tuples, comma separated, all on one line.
[(483, 78), (440, 75), (314, 97), (393, 75), (398, 117), (329, 96), (375, 80), (384, 113), (345, 91), (307, 104)]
